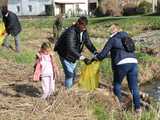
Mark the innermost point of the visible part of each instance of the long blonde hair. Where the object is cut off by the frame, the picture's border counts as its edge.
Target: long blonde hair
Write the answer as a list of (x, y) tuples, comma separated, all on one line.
[(115, 26), (46, 46)]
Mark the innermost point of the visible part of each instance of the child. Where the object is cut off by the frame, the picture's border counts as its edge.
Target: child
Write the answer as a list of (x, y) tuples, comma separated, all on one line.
[(46, 69)]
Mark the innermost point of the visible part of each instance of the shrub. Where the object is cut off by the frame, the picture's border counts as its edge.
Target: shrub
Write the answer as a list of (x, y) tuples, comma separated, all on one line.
[(108, 8), (132, 9), (112, 11), (99, 13), (146, 6)]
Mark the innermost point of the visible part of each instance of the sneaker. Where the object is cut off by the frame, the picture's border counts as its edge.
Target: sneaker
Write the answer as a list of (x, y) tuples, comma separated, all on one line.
[(138, 111), (17, 51), (5, 46)]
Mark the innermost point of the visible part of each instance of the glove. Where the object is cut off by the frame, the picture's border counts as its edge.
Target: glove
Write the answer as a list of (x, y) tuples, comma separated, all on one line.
[(95, 53), (94, 59), (87, 61)]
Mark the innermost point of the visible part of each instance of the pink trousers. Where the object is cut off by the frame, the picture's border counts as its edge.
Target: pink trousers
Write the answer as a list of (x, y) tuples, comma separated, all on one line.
[(48, 86)]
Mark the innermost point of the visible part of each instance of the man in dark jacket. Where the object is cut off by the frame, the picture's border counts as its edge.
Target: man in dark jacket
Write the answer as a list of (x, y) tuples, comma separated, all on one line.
[(12, 26), (69, 47), (123, 64)]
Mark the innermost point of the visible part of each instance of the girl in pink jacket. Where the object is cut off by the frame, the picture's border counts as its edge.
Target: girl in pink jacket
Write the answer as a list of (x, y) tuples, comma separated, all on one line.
[(46, 69)]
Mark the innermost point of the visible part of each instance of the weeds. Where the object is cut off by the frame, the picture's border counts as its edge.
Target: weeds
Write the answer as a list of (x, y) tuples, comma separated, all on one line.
[(98, 26), (101, 114), (25, 57)]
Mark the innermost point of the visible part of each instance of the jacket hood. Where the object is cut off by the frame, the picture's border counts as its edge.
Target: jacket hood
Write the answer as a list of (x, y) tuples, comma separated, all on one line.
[(123, 34)]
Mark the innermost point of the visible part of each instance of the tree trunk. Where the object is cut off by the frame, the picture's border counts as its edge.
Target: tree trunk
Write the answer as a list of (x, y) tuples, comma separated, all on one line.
[(3, 3)]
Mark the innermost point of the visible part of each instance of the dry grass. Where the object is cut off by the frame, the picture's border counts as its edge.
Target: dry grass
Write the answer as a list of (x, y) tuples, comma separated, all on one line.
[(20, 96)]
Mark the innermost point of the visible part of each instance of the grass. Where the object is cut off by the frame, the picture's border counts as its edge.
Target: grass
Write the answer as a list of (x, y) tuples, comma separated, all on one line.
[(101, 114), (26, 57), (106, 70), (98, 26), (145, 58), (133, 25)]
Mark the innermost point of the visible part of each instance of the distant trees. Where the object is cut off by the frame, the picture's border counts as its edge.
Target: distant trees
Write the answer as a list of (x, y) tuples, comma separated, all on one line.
[(108, 7), (124, 7)]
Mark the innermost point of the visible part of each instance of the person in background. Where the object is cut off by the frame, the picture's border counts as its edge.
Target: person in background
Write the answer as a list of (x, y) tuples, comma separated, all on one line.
[(124, 63), (69, 47), (46, 69), (57, 26), (12, 26)]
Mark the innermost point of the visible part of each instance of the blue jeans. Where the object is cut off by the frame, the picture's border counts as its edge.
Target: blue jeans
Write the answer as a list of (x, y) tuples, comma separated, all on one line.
[(130, 70), (16, 38), (69, 71)]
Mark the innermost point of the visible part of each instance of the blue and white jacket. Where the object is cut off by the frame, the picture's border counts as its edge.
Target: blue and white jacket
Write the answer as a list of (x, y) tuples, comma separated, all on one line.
[(115, 47)]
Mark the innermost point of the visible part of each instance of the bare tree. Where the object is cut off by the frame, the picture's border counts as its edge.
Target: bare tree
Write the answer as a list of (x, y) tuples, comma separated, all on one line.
[(155, 4), (158, 6), (3, 3)]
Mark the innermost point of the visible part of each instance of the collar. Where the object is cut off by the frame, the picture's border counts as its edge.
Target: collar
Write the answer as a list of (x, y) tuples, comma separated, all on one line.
[(113, 34), (6, 15), (81, 33), (78, 30)]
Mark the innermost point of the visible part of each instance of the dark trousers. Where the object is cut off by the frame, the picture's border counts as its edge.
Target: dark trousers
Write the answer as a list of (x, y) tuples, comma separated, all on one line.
[(129, 70)]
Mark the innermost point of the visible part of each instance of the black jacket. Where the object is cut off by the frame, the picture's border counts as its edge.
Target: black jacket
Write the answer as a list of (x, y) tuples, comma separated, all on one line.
[(69, 45), (115, 46), (12, 23)]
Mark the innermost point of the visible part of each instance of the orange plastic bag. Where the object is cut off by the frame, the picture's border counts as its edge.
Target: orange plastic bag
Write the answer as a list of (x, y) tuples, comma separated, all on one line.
[(89, 77)]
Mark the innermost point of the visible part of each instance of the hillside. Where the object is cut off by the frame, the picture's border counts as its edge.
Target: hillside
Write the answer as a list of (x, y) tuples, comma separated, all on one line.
[(20, 96)]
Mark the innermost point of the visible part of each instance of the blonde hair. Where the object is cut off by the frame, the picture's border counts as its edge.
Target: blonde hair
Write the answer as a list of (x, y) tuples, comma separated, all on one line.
[(46, 46), (117, 26)]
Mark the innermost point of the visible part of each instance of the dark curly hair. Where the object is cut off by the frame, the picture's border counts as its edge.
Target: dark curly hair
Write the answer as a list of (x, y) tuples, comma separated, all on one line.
[(83, 19)]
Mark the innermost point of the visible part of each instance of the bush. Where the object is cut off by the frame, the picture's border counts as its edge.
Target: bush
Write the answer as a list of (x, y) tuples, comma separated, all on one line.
[(99, 13), (146, 6), (132, 9), (112, 11), (108, 8)]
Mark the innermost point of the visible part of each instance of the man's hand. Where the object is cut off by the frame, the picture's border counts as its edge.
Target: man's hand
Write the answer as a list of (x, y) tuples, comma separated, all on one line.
[(87, 61), (94, 59), (95, 53)]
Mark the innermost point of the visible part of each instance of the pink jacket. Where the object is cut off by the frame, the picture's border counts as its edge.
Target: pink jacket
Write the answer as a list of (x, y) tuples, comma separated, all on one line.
[(38, 67), (37, 71)]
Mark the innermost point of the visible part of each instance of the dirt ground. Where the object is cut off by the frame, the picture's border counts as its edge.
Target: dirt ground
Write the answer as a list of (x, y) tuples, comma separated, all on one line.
[(20, 96)]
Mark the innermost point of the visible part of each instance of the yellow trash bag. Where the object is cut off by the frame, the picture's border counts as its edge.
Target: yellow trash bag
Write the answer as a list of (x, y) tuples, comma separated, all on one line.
[(2, 32), (89, 77)]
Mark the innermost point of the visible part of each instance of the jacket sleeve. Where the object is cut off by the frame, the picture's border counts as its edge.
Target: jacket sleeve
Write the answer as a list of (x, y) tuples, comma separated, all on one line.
[(89, 44), (104, 52), (71, 44), (37, 68), (11, 20), (14, 25)]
